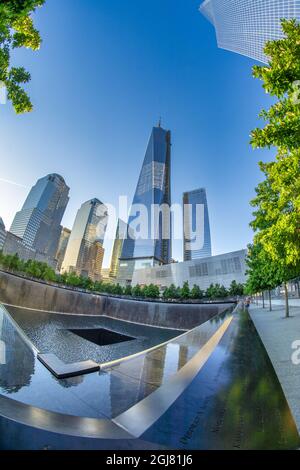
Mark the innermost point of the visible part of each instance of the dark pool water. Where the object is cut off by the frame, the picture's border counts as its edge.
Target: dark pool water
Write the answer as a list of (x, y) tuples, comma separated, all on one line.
[(56, 333), (234, 402), (103, 394)]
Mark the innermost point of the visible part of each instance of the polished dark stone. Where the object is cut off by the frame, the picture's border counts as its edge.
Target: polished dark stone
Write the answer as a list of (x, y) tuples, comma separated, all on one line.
[(36, 295), (101, 336), (24, 378), (235, 402), (158, 366), (64, 371)]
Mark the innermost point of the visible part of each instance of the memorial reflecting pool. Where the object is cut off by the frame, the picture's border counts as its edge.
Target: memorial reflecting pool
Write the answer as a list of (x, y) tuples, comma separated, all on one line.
[(233, 401)]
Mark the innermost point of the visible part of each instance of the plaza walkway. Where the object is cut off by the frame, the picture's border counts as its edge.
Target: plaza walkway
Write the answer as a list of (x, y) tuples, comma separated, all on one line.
[(278, 334)]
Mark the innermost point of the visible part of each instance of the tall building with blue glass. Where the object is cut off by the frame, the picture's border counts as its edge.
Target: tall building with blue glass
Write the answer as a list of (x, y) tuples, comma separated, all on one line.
[(193, 227), (153, 192), (38, 222)]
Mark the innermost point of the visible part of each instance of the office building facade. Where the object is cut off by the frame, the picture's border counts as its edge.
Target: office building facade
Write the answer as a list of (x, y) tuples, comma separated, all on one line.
[(121, 234), (196, 237), (153, 191), (15, 245), (62, 247), (38, 222), (221, 269), (84, 253), (2, 233), (244, 26)]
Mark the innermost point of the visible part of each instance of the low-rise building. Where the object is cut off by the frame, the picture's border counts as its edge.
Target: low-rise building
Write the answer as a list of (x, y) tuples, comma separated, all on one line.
[(15, 245), (220, 269)]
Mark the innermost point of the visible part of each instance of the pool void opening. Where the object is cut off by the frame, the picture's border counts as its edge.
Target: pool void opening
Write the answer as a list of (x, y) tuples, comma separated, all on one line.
[(101, 336)]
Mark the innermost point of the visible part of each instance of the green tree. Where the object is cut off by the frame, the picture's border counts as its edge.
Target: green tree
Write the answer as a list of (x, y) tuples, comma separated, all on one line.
[(280, 78), (17, 30), (12, 262), (33, 269), (62, 278), (73, 280), (266, 274), (185, 291), (98, 286), (222, 292), (236, 289), (211, 292), (277, 203), (171, 292), (107, 288), (153, 291), (128, 290), (137, 291), (216, 291), (166, 293), (197, 293), (49, 274), (117, 289)]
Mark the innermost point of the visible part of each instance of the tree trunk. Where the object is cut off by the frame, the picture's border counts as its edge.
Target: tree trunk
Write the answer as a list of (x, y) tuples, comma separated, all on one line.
[(298, 286), (263, 299), (286, 294), (270, 301)]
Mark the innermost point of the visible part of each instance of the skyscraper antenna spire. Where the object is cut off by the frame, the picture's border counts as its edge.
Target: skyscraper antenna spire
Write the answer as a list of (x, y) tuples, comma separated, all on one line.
[(159, 122)]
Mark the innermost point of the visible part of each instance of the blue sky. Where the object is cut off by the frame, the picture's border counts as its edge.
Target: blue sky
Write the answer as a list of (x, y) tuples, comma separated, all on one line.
[(106, 71)]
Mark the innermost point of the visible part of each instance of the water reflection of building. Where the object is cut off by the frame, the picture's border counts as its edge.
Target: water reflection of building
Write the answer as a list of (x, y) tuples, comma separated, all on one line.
[(18, 368), (70, 382), (182, 355)]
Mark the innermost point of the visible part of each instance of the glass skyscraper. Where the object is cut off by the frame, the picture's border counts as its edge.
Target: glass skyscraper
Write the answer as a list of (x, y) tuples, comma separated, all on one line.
[(62, 247), (244, 26), (2, 233), (192, 226), (121, 234), (38, 222), (153, 190), (84, 253)]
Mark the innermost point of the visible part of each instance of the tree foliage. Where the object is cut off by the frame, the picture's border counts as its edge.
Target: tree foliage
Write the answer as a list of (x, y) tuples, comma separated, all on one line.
[(280, 79), (38, 270), (216, 291), (196, 293), (236, 289), (274, 257), (185, 292), (17, 30), (263, 274)]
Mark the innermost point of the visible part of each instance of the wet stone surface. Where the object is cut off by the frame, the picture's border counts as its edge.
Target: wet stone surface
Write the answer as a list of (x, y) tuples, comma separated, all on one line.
[(235, 402), (55, 333)]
